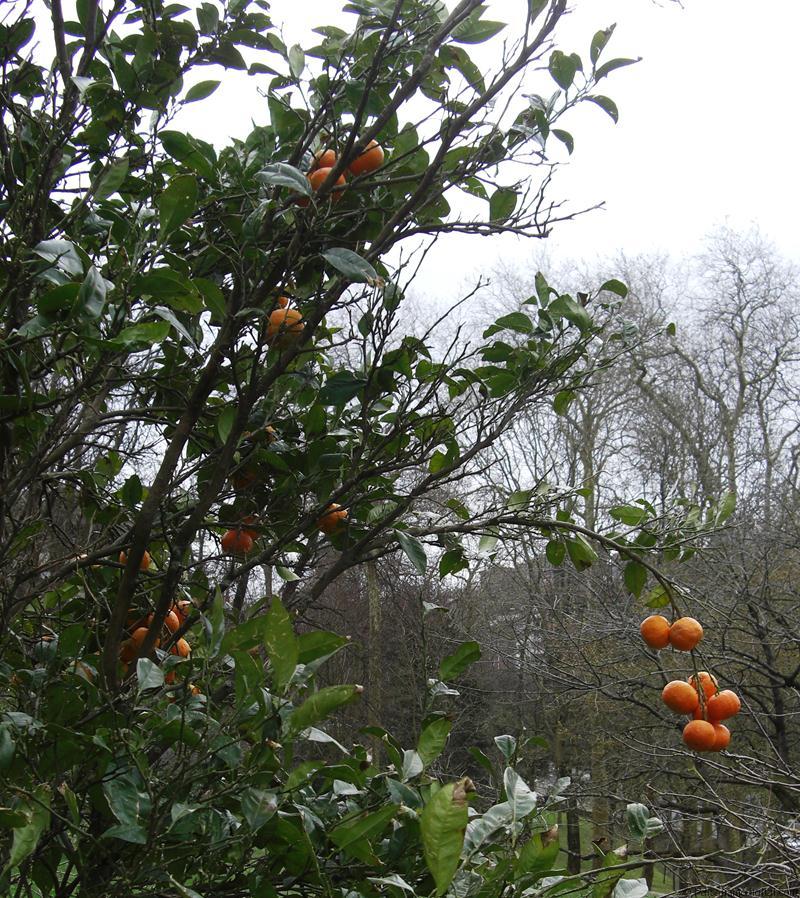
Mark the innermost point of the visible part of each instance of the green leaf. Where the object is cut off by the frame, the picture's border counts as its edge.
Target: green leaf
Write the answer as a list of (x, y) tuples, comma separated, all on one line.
[(111, 180), (200, 91), (297, 60), (515, 321), (258, 807), (615, 286), (353, 836), (319, 706), (536, 858), (281, 645), (433, 739), (581, 554), (565, 137), (62, 254), (281, 174), (507, 746), (193, 153), (607, 67), (147, 333), (455, 664), (474, 31), (225, 423), (177, 203), (414, 550), (657, 597), (521, 799), (318, 644), (566, 307), (725, 508), (599, 41), (563, 68), (636, 817), (502, 204), (606, 104), (606, 879), (36, 813), (171, 288), (635, 576), (555, 551), (351, 265), (92, 294), (7, 748), (562, 401), (340, 388), (452, 562), (628, 514), (442, 826), (126, 832), (149, 675)]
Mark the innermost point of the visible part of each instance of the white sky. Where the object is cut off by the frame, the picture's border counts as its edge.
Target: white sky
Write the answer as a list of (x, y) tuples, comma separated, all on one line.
[(707, 131)]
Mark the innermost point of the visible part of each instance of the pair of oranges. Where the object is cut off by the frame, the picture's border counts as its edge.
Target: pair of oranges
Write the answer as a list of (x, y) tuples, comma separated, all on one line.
[(365, 163), (705, 732), (242, 540)]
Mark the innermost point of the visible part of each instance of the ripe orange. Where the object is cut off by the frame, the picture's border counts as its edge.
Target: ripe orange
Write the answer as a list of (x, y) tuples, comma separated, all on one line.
[(655, 631), (723, 705), (333, 519), (127, 652), (137, 639), (181, 648), (171, 621), (317, 178), (680, 697), (326, 158), (369, 160), (685, 633), (708, 682), (699, 735), (285, 326), (144, 564), (169, 677), (182, 609), (237, 542), (722, 737)]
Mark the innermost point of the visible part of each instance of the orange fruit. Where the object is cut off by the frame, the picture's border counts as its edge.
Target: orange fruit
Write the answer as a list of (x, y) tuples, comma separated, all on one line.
[(326, 158), (127, 652), (699, 735), (285, 327), (723, 705), (237, 542), (722, 737), (137, 638), (317, 178), (680, 697), (169, 677), (182, 609), (171, 621), (181, 648), (708, 682), (369, 160), (333, 519), (655, 631), (144, 564), (685, 633)]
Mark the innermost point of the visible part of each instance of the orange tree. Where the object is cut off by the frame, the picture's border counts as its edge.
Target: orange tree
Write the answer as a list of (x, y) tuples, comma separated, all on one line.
[(207, 370)]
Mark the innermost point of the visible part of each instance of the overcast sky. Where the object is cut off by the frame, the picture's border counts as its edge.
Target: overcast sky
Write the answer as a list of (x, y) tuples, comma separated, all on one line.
[(707, 133)]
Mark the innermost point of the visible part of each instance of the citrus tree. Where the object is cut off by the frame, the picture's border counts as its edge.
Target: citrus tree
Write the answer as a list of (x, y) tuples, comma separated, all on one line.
[(207, 374)]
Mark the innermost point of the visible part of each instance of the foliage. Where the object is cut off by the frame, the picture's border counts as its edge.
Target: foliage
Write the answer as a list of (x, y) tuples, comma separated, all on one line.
[(150, 404)]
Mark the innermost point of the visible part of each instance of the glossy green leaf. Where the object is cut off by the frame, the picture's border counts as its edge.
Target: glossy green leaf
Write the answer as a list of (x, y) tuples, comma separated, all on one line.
[(112, 179), (456, 663), (353, 836), (200, 91), (606, 104), (281, 645), (563, 68), (502, 204), (442, 826), (433, 739), (556, 551), (281, 174), (635, 576), (36, 814), (177, 203), (320, 705), (414, 550), (351, 265)]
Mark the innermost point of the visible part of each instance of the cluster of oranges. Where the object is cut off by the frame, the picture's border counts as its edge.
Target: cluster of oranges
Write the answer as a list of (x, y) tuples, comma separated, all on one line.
[(368, 161), (285, 324), (698, 696)]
